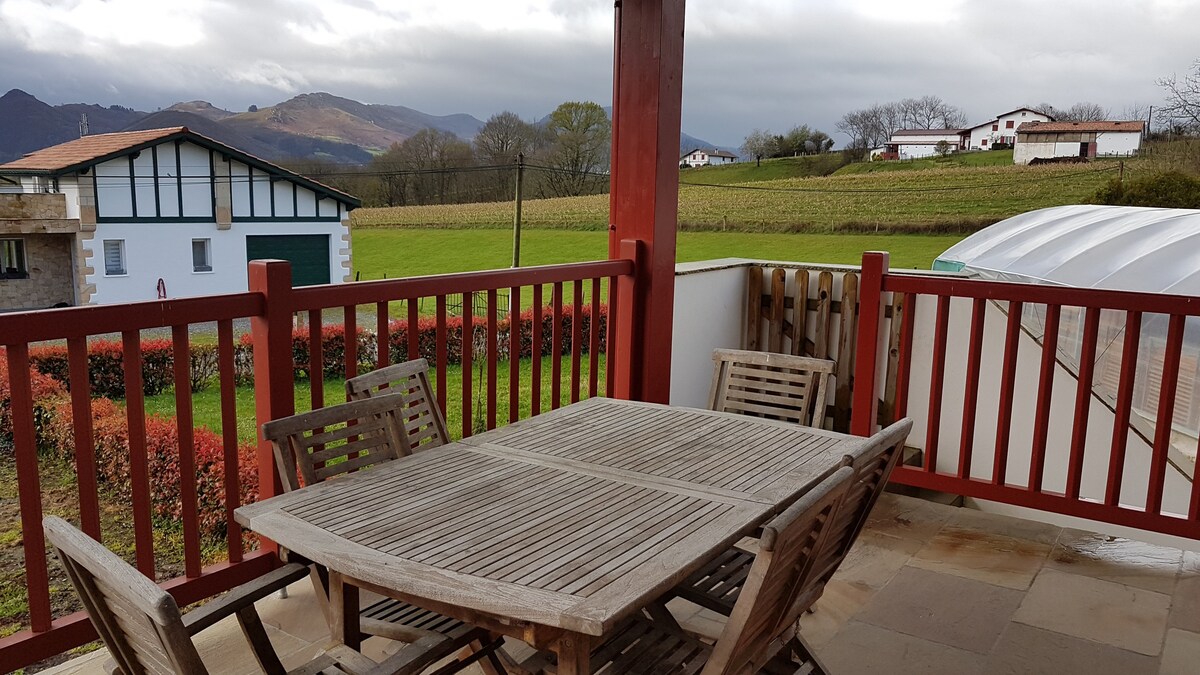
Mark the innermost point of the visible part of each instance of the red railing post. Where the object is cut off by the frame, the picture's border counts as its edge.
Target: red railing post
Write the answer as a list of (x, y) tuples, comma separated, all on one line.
[(644, 195), (864, 407), (274, 381)]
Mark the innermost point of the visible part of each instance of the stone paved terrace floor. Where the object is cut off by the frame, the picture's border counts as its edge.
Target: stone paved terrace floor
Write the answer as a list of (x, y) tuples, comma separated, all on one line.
[(928, 589)]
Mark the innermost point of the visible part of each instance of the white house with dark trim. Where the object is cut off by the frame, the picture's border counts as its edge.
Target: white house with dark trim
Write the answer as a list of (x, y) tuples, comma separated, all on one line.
[(1047, 140), (161, 213), (713, 157), (1002, 129)]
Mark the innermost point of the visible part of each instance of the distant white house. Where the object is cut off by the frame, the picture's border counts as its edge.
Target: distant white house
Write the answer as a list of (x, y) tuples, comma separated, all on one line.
[(915, 143), (162, 213), (700, 157), (1077, 139), (1003, 129)]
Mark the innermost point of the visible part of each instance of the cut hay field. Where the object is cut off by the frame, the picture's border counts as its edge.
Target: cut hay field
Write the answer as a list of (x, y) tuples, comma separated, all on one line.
[(954, 198)]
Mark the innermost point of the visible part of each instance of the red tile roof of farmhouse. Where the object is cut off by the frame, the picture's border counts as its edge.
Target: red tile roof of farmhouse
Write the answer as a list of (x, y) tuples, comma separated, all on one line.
[(1059, 127), (85, 149)]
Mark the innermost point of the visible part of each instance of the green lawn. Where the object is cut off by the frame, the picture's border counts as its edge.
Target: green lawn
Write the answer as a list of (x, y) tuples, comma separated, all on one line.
[(961, 159), (206, 405), (402, 252), (768, 169)]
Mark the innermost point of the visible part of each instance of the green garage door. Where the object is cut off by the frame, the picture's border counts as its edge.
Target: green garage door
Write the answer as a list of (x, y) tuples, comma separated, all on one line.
[(308, 253)]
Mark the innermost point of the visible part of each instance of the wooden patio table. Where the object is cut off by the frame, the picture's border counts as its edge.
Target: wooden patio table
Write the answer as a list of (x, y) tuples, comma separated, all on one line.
[(555, 528)]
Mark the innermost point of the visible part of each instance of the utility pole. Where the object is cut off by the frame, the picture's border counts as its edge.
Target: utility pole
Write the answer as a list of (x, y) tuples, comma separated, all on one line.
[(517, 213)]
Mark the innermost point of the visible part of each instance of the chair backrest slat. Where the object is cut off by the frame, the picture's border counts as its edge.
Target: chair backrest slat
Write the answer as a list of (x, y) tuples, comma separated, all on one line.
[(139, 622), (776, 386), (424, 421), (767, 607), (337, 439)]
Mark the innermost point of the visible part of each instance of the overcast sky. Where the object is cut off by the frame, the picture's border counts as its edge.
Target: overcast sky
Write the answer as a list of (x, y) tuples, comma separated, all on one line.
[(749, 63)]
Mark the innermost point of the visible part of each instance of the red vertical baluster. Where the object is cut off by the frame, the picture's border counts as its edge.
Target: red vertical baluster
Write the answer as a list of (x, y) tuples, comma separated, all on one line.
[(1008, 382), (937, 376), (514, 353), (181, 357), (443, 352), (316, 360), (1194, 510), (556, 349), (139, 469), (85, 443), (1083, 400), (904, 358), (971, 399), (1166, 413), (1041, 417), (492, 329), (576, 339), (382, 336), (350, 336), (29, 487), (535, 377), (594, 340), (414, 330), (468, 349), (1124, 406), (229, 436), (610, 325)]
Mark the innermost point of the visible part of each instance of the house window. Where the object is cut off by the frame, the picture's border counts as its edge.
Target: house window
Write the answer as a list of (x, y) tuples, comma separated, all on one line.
[(1008, 124), (983, 142), (114, 257), (201, 255), (996, 127), (12, 259)]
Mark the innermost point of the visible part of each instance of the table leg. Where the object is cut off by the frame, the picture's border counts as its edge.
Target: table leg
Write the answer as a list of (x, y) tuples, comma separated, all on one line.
[(574, 654), (343, 604)]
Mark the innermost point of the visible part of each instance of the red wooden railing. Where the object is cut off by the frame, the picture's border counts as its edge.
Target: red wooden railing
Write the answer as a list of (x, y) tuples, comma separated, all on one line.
[(1118, 492), (271, 306)]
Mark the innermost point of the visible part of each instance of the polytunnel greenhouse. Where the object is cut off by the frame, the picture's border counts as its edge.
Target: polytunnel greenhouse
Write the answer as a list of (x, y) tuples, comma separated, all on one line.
[(1149, 250)]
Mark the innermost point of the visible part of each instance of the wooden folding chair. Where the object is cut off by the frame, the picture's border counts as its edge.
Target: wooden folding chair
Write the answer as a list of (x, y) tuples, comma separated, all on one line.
[(326, 443), (424, 425), (718, 584), (775, 386), (145, 632), (760, 636)]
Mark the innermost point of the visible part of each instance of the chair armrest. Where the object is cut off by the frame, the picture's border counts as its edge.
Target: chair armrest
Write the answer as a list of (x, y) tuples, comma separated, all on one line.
[(243, 596)]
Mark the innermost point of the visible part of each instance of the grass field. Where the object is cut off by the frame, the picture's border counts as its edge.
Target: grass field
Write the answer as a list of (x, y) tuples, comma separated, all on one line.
[(397, 252), (768, 169), (962, 159), (914, 196)]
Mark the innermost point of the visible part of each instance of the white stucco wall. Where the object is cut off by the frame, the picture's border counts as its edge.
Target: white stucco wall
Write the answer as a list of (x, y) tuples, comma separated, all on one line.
[(164, 250), (709, 309), (1118, 143), (916, 151)]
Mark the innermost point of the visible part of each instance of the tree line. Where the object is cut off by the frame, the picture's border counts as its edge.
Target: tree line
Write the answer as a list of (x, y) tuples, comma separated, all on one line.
[(568, 155)]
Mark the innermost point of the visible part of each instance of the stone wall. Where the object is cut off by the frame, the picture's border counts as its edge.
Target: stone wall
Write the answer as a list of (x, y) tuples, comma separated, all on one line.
[(33, 206), (51, 275)]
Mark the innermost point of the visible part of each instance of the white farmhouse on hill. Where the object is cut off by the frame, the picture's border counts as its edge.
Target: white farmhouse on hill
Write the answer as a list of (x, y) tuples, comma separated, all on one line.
[(1077, 139), (162, 213), (915, 143), (714, 157), (1003, 129)]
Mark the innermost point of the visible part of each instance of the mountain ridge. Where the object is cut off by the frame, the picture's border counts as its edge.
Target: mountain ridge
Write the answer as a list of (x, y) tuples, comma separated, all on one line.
[(316, 125)]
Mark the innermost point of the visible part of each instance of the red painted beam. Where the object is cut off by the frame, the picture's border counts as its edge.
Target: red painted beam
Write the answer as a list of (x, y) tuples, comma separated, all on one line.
[(647, 102), (865, 405)]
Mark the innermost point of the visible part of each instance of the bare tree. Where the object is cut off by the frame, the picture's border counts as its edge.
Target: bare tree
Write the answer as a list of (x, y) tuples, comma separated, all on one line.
[(498, 142), (580, 147), (759, 144), (1182, 108), (1085, 112), (931, 112), (865, 127)]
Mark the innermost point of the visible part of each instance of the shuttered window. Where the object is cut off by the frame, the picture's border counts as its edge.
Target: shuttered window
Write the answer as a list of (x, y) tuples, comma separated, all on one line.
[(201, 255), (114, 257)]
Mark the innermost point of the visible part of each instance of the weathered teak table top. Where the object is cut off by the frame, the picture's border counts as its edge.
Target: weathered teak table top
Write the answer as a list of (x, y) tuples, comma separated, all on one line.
[(568, 521)]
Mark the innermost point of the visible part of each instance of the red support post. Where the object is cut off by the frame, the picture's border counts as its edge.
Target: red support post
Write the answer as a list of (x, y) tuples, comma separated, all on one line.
[(647, 103), (274, 382), (864, 406)]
